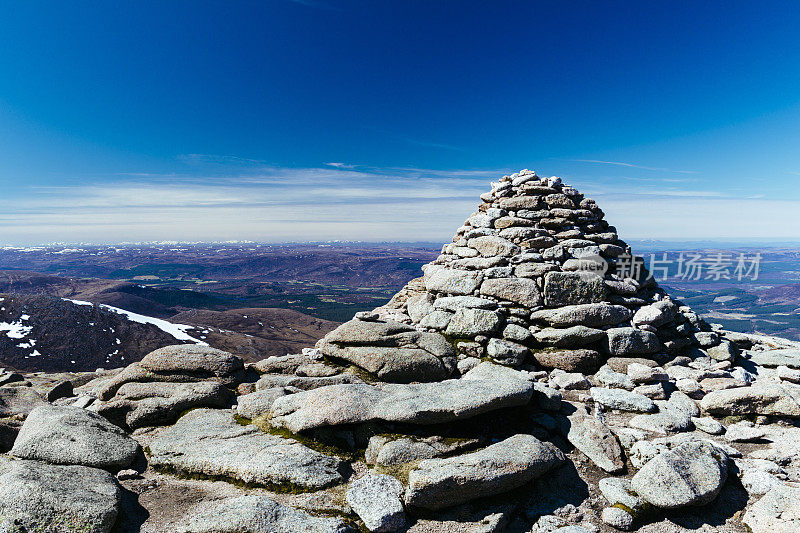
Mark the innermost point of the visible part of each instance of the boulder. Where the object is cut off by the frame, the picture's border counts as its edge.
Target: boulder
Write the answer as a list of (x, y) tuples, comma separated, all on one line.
[(68, 435), (62, 389), (396, 450), (209, 442), (256, 514), (613, 380), (450, 281), (455, 303), (259, 403), (182, 363), (194, 360), (771, 358), (19, 401), (469, 322), (592, 315), (631, 341), (493, 246), (569, 337), (521, 291), (506, 352), (656, 314), (377, 500), (724, 351), (484, 388), (757, 399), (574, 360), (618, 492), (669, 418), (36, 496), (272, 381), (572, 288), (618, 518), (777, 511), (597, 442), (499, 468), (391, 350), (691, 474), (141, 404), (281, 364), (622, 400)]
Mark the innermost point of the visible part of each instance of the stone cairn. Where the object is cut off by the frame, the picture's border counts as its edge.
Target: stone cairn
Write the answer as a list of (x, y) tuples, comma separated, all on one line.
[(535, 379)]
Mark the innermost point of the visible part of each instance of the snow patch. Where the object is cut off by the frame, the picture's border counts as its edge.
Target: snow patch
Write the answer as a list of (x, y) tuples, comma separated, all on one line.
[(15, 330), (176, 330)]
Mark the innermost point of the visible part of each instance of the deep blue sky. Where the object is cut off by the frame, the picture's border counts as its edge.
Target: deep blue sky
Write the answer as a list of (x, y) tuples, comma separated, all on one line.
[(293, 120)]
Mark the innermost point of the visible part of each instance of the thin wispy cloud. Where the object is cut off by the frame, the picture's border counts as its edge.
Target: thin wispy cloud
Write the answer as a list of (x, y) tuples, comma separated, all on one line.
[(221, 159), (631, 165), (339, 201)]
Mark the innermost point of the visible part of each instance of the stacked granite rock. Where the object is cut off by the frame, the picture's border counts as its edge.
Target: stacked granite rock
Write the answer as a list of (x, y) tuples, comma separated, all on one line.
[(528, 382), (534, 277)]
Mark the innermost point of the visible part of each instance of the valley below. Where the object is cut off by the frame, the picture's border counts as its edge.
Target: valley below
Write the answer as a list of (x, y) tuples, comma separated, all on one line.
[(258, 300)]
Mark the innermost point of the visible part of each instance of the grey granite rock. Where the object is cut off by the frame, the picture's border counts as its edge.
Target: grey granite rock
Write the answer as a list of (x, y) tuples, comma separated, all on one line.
[(209, 442), (571, 288), (396, 450), (259, 403), (19, 401), (520, 291), (499, 468), (506, 352), (757, 399), (783, 357), (592, 315), (656, 314), (450, 281), (469, 322), (73, 436), (377, 500), (454, 303), (493, 246), (482, 389), (618, 491), (691, 474), (272, 381), (777, 511), (569, 360), (622, 400), (706, 424), (391, 350), (569, 337), (618, 518), (613, 380), (142, 404), (597, 442), (256, 514), (631, 341), (201, 362), (36, 496)]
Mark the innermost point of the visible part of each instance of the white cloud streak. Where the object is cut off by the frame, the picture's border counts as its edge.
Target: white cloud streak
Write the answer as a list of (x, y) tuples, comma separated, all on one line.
[(631, 165), (351, 202)]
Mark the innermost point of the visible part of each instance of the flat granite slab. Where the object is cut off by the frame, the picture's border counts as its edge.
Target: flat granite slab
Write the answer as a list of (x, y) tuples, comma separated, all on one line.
[(485, 388), (210, 442)]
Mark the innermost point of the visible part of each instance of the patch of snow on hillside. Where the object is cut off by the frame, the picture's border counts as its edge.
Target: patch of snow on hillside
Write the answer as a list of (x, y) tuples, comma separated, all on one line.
[(16, 330), (176, 330)]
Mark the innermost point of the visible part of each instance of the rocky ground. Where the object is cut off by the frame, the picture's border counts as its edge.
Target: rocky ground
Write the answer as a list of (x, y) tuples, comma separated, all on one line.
[(516, 387)]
